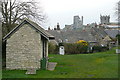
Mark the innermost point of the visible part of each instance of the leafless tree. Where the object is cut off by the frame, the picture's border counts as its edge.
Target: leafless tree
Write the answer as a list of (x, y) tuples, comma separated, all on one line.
[(118, 11), (0, 12), (14, 11)]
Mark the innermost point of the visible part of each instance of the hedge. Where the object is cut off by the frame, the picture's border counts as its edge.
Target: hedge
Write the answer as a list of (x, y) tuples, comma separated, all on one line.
[(74, 48), (53, 49), (70, 48)]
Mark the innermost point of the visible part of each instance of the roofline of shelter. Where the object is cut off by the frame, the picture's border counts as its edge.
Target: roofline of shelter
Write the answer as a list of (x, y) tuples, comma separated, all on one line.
[(25, 21)]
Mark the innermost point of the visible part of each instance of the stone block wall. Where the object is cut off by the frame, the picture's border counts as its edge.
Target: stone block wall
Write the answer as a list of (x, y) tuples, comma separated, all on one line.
[(24, 49)]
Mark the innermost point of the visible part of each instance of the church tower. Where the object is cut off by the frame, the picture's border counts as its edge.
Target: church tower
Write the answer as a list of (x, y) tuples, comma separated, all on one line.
[(77, 22), (105, 19)]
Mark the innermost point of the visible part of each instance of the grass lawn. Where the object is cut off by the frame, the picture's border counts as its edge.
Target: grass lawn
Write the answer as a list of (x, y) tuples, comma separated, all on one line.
[(0, 74), (96, 65)]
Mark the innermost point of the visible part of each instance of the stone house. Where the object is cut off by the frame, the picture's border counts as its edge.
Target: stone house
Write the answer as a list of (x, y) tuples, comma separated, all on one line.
[(106, 40), (26, 46), (72, 36), (101, 36)]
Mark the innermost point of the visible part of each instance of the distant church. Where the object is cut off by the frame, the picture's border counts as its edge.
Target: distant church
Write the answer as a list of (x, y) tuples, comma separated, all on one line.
[(93, 32), (105, 19), (77, 23)]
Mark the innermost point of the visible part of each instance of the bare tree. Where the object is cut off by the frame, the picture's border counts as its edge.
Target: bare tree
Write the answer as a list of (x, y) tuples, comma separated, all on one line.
[(0, 12), (118, 11), (13, 12)]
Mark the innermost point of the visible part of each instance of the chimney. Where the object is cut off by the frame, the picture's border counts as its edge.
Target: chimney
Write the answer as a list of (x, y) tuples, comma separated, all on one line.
[(58, 26), (48, 28), (82, 20), (55, 28)]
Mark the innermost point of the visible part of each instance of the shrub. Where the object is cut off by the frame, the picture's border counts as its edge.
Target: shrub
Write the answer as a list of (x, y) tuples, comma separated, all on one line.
[(52, 49), (75, 48), (82, 42), (99, 48), (70, 48), (118, 37)]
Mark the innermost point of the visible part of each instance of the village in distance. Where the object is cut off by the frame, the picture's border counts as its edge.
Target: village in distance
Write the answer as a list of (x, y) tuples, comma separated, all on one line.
[(76, 51)]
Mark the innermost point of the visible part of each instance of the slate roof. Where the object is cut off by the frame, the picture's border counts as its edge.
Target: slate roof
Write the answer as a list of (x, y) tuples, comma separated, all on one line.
[(101, 32), (34, 25), (72, 36), (112, 33)]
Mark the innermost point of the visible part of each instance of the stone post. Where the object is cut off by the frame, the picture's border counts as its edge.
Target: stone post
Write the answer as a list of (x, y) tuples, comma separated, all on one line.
[(61, 49)]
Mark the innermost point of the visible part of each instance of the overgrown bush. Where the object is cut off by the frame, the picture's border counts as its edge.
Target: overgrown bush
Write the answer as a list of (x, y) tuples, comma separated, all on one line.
[(53, 49), (82, 42), (118, 38), (70, 48), (99, 48), (75, 48)]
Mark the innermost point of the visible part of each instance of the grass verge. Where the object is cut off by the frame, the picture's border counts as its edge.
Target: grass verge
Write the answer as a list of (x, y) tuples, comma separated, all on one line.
[(96, 65)]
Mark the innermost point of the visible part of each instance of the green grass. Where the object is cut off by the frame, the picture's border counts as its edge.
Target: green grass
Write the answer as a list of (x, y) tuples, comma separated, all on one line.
[(96, 65), (0, 74)]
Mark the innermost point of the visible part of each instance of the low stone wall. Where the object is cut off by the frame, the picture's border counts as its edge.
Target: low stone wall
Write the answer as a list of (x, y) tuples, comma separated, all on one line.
[(118, 51)]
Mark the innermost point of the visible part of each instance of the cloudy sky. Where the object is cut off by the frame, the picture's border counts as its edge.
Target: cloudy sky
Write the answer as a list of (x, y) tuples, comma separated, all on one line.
[(62, 11)]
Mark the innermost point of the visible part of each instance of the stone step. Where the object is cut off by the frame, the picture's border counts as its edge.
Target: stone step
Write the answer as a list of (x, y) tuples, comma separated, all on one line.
[(31, 71), (51, 66)]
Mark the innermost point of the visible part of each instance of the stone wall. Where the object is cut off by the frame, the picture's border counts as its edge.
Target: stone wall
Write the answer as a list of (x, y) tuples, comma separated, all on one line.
[(23, 49)]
